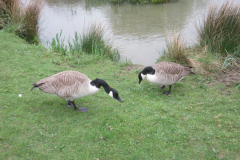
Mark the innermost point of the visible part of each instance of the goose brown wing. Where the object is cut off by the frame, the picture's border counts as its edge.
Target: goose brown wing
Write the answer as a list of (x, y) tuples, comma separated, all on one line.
[(168, 68), (67, 80)]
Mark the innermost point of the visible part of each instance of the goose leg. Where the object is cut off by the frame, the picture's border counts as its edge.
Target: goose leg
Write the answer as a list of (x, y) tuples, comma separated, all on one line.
[(82, 109), (167, 93), (69, 104), (162, 87)]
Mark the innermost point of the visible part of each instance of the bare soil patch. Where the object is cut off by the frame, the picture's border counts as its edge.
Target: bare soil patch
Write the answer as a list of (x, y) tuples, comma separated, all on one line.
[(229, 78), (130, 68)]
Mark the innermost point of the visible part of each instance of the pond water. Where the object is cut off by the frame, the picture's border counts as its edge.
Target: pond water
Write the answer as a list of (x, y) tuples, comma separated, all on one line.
[(138, 31)]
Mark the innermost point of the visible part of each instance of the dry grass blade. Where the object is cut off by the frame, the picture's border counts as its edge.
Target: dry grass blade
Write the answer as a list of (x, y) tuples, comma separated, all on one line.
[(176, 49)]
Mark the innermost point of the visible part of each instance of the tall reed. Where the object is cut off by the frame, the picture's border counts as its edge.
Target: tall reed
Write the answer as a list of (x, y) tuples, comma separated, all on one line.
[(22, 20), (31, 16), (220, 30)]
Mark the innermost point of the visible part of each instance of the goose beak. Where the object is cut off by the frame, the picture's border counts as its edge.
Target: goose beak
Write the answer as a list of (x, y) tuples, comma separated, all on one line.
[(119, 99)]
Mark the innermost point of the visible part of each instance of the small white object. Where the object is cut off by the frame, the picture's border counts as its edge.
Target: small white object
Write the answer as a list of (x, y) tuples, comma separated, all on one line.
[(15, 50), (20, 95)]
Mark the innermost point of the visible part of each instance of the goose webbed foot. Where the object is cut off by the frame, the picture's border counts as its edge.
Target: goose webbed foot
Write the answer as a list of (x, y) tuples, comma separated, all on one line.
[(82, 109), (162, 87), (167, 93)]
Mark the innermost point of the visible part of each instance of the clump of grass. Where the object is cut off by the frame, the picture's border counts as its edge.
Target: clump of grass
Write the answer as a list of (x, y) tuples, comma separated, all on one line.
[(21, 20), (176, 50), (91, 42), (221, 28)]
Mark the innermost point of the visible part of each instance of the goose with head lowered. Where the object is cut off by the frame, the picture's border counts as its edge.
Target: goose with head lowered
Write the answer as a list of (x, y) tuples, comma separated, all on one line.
[(165, 73), (71, 85)]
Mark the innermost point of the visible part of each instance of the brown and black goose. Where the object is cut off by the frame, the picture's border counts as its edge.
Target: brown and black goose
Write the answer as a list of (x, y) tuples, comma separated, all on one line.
[(165, 73), (71, 85)]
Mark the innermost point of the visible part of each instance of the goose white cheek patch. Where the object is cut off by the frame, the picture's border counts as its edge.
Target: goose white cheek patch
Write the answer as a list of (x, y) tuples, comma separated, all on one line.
[(110, 94), (143, 76)]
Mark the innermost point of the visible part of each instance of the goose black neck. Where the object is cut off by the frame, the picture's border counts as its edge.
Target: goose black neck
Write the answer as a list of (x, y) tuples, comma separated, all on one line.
[(104, 84), (101, 83)]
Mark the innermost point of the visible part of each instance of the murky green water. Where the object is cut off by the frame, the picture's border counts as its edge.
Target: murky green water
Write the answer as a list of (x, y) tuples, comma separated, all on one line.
[(139, 30)]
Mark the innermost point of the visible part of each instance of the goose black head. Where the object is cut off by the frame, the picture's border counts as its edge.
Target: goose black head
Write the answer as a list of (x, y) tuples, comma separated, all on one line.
[(114, 94), (110, 91), (145, 71)]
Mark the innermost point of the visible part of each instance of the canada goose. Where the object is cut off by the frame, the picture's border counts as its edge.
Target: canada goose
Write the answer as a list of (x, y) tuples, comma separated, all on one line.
[(71, 85), (165, 73)]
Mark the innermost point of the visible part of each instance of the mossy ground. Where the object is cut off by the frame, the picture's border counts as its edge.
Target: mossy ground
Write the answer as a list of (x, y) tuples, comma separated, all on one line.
[(197, 120)]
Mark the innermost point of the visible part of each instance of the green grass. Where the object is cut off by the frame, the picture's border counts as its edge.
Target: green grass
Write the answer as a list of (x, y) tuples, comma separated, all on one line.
[(197, 121)]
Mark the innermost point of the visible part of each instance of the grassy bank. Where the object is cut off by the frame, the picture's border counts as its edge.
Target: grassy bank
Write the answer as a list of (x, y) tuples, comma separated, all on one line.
[(199, 119)]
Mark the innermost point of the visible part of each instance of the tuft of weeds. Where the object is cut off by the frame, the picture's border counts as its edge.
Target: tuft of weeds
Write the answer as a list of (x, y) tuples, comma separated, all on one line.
[(176, 50), (229, 59), (116, 55), (221, 28), (57, 44), (91, 42)]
